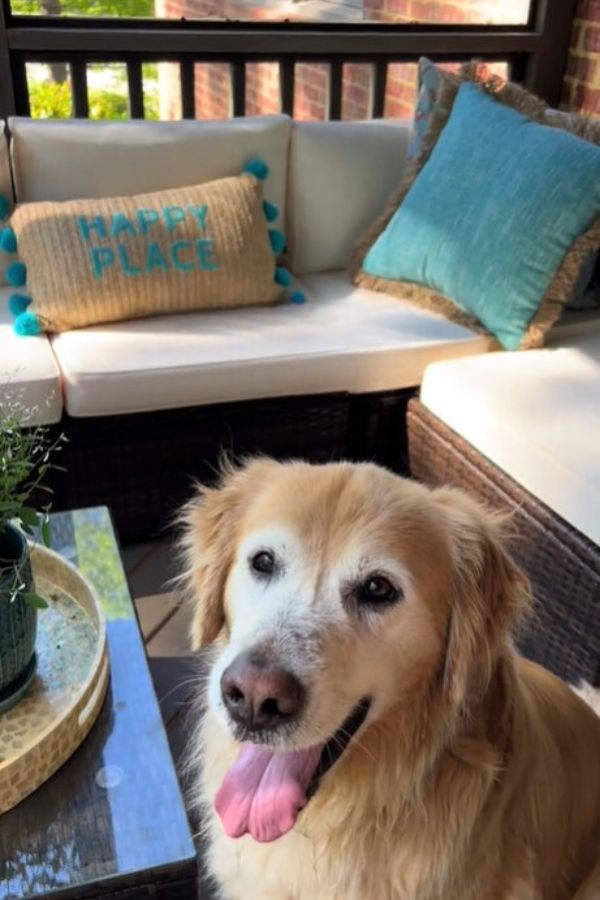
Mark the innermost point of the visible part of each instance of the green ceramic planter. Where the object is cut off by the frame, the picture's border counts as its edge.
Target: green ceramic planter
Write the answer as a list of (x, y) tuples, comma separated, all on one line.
[(18, 620)]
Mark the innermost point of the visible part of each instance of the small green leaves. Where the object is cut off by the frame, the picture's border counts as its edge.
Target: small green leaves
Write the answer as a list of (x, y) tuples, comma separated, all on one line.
[(28, 516), (26, 462), (35, 600), (46, 532)]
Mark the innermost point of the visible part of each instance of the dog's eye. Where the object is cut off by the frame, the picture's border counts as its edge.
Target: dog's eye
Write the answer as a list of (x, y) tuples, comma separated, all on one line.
[(377, 589), (263, 562)]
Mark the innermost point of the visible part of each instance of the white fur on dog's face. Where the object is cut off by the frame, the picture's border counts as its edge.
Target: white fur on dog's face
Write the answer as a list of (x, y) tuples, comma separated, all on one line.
[(305, 617)]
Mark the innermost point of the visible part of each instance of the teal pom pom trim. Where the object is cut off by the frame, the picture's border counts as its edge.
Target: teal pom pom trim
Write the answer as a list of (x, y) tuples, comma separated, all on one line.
[(18, 303), (282, 276), (277, 239), (4, 206), (271, 211), (258, 168), (27, 324), (16, 274), (8, 240), (297, 297)]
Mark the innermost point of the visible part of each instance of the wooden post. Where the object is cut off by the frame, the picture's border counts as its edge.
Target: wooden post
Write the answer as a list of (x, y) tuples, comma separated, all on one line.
[(553, 22)]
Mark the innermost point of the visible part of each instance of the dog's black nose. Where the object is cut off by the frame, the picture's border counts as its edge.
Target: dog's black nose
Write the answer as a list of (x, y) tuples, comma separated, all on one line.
[(259, 694)]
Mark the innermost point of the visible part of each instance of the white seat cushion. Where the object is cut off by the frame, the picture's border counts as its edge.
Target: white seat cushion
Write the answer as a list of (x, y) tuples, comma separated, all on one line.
[(341, 177), (343, 338), (69, 159), (5, 185), (536, 415), (28, 370)]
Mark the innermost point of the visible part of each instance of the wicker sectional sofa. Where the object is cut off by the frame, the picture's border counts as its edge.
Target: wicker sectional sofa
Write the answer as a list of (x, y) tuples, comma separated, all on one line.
[(148, 403)]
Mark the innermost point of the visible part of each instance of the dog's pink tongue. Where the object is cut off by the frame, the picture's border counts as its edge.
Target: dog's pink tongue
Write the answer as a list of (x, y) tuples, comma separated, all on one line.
[(264, 791)]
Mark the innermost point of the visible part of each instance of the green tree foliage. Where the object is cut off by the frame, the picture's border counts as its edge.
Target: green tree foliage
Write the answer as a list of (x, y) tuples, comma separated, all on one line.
[(121, 8), (107, 105), (51, 98)]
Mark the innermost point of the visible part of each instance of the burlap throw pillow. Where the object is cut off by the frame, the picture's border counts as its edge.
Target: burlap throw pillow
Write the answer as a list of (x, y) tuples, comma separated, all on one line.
[(83, 262), (561, 282)]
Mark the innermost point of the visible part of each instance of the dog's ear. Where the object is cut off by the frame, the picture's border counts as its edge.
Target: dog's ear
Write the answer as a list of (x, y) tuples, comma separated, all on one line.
[(489, 595), (209, 529)]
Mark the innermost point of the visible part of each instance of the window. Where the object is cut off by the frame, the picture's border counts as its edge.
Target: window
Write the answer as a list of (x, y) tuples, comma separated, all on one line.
[(490, 12)]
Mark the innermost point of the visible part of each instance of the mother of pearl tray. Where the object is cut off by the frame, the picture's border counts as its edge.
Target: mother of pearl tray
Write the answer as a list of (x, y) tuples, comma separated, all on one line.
[(66, 693)]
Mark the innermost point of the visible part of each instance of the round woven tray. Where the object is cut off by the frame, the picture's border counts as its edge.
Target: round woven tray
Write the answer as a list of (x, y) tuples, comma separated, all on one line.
[(66, 693)]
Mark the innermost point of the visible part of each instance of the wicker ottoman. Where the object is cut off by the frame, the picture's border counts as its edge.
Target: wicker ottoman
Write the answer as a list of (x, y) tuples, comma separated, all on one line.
[(563, 633)]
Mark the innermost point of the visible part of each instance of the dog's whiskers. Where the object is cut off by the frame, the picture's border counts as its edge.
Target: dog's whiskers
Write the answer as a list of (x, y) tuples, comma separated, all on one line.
[(186, 682), (353, 739)]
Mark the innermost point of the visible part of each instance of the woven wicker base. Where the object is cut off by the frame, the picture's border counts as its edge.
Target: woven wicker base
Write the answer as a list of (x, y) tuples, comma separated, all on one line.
[(142, 465), (564, 566)]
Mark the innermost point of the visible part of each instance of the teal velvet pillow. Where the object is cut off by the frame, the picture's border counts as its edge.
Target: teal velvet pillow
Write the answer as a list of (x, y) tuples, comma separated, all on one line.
[(492, 214)]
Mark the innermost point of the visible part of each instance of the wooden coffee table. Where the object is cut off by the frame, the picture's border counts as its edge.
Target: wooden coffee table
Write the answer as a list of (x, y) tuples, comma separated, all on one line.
[(111, 822)]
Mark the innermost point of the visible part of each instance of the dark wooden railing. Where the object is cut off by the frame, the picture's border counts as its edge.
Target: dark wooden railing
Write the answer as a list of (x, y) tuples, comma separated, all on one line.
[(536, 52)]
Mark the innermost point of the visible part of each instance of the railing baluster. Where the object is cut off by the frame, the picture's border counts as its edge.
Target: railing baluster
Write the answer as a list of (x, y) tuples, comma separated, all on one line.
[(81, 109), (335, 91), (8, 102), (136, 89), (19, 74), (379, 87), (287, 71), (545, 69), (238, 80), (188, 91), (517, 69)]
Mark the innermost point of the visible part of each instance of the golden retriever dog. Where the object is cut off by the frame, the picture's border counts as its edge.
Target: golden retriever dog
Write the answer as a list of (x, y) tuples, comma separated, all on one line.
[(370, 733)]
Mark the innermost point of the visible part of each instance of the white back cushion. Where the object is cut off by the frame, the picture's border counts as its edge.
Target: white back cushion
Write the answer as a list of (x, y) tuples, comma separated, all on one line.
[(341, 177), (5, 186), (64, 160)]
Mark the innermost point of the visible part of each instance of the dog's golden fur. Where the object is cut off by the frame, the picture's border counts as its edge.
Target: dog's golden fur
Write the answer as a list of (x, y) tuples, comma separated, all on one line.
[(478, 775)]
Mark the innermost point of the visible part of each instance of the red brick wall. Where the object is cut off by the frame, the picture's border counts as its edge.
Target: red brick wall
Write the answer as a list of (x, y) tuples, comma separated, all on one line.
[(262, 89), (212, 81), (448, 11), (311, 95), (582, 78)]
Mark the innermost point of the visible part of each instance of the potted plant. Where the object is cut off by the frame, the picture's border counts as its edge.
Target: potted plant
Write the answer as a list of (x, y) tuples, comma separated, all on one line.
[(25, 460)]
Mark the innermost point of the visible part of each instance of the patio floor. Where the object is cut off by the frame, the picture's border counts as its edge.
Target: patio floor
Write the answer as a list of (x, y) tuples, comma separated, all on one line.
[(164, 622)]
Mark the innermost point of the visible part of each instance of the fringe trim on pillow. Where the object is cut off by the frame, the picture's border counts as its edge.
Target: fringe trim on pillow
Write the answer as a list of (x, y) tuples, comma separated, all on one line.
[(430, 300), (561, 287), (566, 276)]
